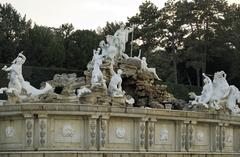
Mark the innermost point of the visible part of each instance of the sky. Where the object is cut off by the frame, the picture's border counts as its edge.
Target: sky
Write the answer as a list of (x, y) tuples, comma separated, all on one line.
[(83, 14)]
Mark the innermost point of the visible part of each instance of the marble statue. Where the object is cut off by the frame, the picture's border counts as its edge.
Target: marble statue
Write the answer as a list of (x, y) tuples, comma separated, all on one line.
[(15, 75), (206, 93), (115, 46), (111, 53), (84, 90), (220, 86), (130, 101), (17, 85), (97, 58), (115, 85), (122, 35), (111, 48), (217, 92), (233, 98), (150, 70), (97, 76)]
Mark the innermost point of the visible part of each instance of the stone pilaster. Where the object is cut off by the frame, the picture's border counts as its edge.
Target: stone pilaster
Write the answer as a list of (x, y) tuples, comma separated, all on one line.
[(219, 137), (42, 131), (236, 138), (190, 134), (151, 133), (184, 135), (103, 132), (92, 132), (223, 137), (141, 134), (187, 128), (29, 127)]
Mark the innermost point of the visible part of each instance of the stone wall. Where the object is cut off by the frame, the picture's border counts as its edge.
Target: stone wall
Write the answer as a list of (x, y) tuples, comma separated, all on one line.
[(113, 154), (107, 130)]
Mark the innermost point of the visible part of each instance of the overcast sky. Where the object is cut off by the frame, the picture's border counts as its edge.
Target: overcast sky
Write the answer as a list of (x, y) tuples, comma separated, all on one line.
[(83, 14)]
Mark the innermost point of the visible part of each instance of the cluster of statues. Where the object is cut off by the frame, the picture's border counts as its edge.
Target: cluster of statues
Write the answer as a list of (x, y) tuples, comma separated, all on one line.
[(18, 88), (216, 93), (115, 46), (114, 49)]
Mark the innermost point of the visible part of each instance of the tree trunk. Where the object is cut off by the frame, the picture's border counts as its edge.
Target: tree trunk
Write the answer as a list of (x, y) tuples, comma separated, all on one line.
[(189, 79), (205, 51), (204, 59), (174, 59), (198, 77), (175, 69)]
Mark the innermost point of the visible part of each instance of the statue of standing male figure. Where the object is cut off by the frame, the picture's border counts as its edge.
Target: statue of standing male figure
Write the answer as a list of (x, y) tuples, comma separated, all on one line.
[(122, 35)]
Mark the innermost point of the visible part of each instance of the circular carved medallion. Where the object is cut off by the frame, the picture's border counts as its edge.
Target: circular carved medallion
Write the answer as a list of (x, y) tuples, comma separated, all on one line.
[(120, 132), (9, 131), (67, 131)]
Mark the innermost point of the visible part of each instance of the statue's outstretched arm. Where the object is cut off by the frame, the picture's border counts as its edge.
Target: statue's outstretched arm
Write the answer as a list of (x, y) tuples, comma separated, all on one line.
[(21, 55), (5, 68), (206, 77)]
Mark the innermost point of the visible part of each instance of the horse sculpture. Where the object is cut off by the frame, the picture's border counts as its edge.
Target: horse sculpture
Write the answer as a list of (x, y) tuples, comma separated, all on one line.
[(216, 93), (111, 49)]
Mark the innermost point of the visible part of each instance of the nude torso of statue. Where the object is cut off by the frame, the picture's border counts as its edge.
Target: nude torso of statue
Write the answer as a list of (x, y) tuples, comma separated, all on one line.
[(115, 85), (122, 35)]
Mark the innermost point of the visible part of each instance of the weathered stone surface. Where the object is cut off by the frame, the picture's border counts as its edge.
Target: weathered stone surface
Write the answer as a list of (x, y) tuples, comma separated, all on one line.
[(72, 126), (65, 84), (137, 83), (120, 154)]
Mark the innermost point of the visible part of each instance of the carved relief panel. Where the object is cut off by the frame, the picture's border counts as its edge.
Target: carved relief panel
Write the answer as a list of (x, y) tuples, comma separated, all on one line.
[(201, 137), (11, 132), (120, 131), (68, 130), (165, 135), (228, 139)]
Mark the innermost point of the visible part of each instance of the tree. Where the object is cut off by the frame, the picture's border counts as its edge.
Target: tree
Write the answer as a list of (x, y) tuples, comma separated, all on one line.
[(65, 30), (81, 45), (172, 33), (147, 27), (45, 47), (201, 20), (12, 29), (229, 33), (109, 29)]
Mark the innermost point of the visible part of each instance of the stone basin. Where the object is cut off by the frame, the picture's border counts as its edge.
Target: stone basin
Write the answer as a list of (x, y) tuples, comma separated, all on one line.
[(73, 128)]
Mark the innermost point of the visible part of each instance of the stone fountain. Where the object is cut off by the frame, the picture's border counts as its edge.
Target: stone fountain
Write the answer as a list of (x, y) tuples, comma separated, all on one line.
[(118, 108)]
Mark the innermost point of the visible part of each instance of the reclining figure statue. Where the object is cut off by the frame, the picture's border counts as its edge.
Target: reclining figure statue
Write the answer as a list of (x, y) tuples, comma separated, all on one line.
[(144, 67)]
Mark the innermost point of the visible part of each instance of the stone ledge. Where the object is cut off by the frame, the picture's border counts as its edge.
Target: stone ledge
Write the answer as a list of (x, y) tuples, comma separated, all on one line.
[(116, 152), (77, 128), (86, 109)]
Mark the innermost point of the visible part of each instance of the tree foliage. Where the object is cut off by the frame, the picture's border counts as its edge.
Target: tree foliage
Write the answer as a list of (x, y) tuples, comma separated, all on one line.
[(181, 40), (12, 29)]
